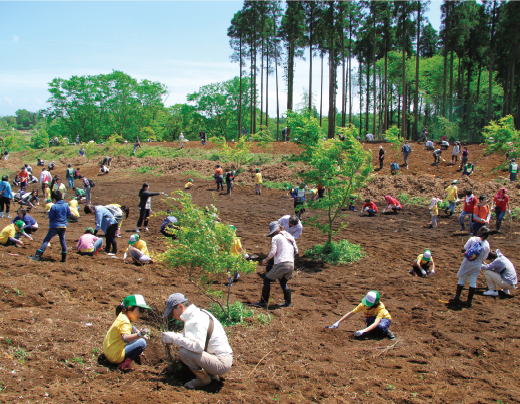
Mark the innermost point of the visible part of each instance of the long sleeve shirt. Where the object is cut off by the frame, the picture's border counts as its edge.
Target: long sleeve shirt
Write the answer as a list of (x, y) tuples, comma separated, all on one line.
[(283, 248), (295, 230), (45, 177), (104, 218), (504, 267)]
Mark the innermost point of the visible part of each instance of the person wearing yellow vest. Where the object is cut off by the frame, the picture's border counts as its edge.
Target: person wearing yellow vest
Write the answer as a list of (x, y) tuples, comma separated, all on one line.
[(258, 182), (452, 197), (138, 250), (513, 170)]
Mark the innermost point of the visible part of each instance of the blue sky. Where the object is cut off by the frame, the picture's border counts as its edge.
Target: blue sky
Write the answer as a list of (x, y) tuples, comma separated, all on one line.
[(182, 44)]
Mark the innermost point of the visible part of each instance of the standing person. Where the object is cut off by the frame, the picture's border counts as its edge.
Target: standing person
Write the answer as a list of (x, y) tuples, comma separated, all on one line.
[(203, 344), (500, 274), (6, 196), (406, 149), (381, 157), (88, 244), (219, 177), (244, 131), (181, 140), (469, 206), (58, 214), (434, 211), (258, 182), (477, 249), (105, 221), (421, 265), (59, 186), (452, 197), (123, 343), (298, 195), (369, 207), (11, 234), (501, 206), (77, 139), (87, 187), (455, 153), (138, 250), (513, 170), (69, 174), (30, 224), (284, 132), (378, 318), (137, 144), (6, 154), (437, 157), (464, 158), (393, 204), (481, 214), (283, 250), (230, 180), (145, 206), (45, 178), (202, 136)]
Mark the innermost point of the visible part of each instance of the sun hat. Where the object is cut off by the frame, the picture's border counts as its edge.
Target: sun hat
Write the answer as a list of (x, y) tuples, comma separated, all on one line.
[(89, 230), (302, 185), (20, 224), (427, 255), (273, 226), (134, 238), (371, 299), (173, 300), (135, 301), (455, 181)]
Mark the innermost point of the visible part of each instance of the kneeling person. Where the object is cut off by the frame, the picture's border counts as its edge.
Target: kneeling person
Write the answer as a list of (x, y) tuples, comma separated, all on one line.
[(10, 234), (369, 207), (500, 274), (422, 263), (88, 244), (138, 250), (204, 346)]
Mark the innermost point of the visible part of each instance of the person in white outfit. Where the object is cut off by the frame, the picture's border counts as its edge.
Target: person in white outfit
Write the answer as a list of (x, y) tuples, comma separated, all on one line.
[(455, 153), (204, 346), (500, 274)]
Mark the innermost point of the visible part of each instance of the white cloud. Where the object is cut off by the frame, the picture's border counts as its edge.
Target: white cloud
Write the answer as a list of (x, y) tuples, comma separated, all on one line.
[(15, 38)]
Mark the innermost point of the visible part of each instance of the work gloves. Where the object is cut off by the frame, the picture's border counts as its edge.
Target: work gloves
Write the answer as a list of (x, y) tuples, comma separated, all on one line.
[(169, 337), (359, 333), (333, 326), (143, 333)]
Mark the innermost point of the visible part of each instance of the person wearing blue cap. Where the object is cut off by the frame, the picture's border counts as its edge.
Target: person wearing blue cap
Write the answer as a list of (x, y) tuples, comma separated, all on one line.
[(378, 318)]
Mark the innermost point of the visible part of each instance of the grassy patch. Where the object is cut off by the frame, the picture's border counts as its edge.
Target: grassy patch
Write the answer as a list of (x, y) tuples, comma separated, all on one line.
[(277, 185), (406, 199), (238, 312), (340, 252), (146, 169), (195, 174)]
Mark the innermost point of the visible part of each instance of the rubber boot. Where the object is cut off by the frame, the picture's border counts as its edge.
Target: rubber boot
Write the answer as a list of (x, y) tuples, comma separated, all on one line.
[(63, 257), (287, 298), (471, 293), (456, 298), (264, 300), (37, 256)]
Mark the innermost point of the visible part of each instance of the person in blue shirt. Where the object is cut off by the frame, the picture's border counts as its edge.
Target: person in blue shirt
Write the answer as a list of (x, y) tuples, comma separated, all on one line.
[(30, 224), (58, 215), (170, 225), (298, 194), (6, 195), (105, 221), (394, 168)]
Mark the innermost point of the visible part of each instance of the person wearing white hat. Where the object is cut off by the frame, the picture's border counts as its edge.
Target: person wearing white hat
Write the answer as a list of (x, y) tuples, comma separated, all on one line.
[(452, 197), (203, 345), (422, 263), (378, 318), (283, 249)]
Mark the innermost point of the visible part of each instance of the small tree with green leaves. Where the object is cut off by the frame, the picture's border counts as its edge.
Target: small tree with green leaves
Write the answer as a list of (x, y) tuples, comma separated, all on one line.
[(202, 249), (265, 139), (393, 136), (238, 154), (501, 137), (342, 167)]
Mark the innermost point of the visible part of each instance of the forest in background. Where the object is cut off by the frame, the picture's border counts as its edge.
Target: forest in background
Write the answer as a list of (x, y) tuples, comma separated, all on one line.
[(385, 65)]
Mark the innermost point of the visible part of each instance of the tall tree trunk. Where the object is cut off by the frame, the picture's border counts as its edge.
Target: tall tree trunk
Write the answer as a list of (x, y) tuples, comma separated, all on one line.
[(360, 76), (255, 94), (267, 89), (350, 71), (403, 72), (332, 91), (251, 91), (277, 101), (240, 90), (399, 107), (310, 66), (478, 82), (491, 56), (290, 76), (512, 85), (415, 132), (343, 89), (367, 96), (385, 85), (321, 91), (450, 101), (506, 93), (262, 78), (445, 79), (518, 107)]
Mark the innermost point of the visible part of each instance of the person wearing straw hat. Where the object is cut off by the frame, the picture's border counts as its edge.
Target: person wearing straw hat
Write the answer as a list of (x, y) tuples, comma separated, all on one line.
[(203, 345), (123, 343), (422, 264), (138, 250), (283, 249), (378, 318)]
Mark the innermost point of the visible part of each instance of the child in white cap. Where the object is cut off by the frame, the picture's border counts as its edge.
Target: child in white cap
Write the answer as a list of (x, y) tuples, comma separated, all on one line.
[(434, 210), (378, 318), (422, 263)]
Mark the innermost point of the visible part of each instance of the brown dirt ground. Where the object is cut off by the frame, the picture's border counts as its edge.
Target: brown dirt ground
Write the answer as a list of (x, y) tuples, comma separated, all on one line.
[(55, 315)]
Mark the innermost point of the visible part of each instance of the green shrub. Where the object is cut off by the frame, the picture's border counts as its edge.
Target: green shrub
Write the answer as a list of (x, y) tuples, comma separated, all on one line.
[(146, 169), (340, 252), (277, 185), (406, 199), (237, 312)]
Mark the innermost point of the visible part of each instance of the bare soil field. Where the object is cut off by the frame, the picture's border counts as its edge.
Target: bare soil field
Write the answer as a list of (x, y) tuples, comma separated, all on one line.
[(55, 315)]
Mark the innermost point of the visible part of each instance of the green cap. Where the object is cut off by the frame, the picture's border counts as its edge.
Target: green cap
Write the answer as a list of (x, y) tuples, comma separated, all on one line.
[(20, 224), (190, 180), (48, 200), (89, 230), (233, 227), (371, 299), (427, 255), (302, 185), (135, 301), (134, 238), (257, 170)]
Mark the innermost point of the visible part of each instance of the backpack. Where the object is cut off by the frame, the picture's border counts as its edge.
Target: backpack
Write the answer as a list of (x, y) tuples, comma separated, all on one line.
[(474, 251), (91, 183), (407, 148)]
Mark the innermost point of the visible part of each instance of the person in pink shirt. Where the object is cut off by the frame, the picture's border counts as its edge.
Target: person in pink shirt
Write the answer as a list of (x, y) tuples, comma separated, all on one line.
[(393, 204), (88, 244), (283, 249)]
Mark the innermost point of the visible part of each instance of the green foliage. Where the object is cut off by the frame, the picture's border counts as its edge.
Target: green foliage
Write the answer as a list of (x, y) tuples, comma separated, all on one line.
[(114, 139), (202, 249), (235, 314), (148, 133), (501, 137), (340, 252), (146, 169), (443, 127), (342, 167), (393, 136), (238, 155), (277, 185), (39, 139), (406, 199)]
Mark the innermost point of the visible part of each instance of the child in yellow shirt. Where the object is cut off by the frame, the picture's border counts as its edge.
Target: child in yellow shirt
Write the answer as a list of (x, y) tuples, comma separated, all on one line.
[(434, 210), (48, 206), (123, 343), (188, 184), (258, 182), (138, 250)]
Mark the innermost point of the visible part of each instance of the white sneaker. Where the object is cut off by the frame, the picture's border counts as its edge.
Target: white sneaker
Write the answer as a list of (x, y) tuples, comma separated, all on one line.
[(146, 229), (137, 229), (9, 216), (491, 293)]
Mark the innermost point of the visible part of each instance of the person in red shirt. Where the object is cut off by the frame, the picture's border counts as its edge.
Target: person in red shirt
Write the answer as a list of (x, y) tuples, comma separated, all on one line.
[(393, 204), (24, 176), (469, 205), (501, 205), (369, 207)]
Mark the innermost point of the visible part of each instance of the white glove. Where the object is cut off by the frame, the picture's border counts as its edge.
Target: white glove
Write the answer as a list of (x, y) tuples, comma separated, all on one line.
[(509, 212), (359, 333), (334, 326), (423, 272), (168, 337), (432, 272), (125, 255), (142, 333)]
